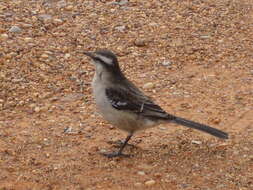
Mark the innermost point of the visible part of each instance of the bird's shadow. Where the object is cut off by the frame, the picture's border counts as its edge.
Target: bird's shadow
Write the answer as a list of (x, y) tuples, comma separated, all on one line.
[(182, 150)]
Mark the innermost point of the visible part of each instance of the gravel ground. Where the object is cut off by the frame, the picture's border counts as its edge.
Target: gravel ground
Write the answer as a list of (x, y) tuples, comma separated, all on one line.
[(194, 57)]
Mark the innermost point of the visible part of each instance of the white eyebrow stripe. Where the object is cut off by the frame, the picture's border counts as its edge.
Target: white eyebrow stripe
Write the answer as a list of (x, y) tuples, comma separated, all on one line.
[(105, 59)]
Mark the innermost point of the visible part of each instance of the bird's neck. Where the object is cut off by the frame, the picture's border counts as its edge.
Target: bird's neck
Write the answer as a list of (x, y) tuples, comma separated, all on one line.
[(107, 76)]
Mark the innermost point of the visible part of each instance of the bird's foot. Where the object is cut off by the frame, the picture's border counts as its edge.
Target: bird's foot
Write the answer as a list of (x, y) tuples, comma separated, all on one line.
[(119, 143)]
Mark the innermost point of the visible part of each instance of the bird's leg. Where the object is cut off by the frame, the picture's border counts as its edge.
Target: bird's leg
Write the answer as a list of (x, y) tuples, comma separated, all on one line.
[(119, 153)]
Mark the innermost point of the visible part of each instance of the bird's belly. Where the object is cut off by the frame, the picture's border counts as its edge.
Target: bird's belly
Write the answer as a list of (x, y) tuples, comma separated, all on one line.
[(124, 120), (127, 121)]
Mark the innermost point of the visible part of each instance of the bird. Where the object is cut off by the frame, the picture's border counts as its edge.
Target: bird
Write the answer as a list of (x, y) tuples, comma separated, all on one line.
[(125, 106)]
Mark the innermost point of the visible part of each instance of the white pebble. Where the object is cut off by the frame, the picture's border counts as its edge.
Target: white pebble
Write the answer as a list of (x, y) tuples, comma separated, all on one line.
[(166, 63), (204, 37), (67, 56), (141, 173), (27, 39), (150, 182), (44, 55), (69, 8), (37, 109), (196, 142), (120, 28), (148, 85), (102, 151), (57, 21)]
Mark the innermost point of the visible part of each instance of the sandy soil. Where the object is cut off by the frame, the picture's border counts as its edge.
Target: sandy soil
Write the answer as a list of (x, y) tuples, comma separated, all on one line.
[(198, 57)]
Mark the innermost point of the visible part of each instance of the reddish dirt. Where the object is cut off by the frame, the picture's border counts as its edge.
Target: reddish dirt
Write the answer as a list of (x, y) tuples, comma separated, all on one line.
[(45, 90)]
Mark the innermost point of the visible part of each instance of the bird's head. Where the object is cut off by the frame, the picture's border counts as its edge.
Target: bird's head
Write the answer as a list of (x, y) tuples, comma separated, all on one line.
[(104, 59)]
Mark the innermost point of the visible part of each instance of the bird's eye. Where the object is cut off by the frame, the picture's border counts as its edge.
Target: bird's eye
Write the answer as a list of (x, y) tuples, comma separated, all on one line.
[(97, 59)]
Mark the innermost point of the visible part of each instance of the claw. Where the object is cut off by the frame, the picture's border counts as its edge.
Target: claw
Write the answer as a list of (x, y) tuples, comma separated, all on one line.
[(119, 143)]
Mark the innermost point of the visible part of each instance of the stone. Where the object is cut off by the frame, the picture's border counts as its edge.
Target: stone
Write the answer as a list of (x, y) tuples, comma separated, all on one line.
[(4, 36), (57, 21), (141, 173), (15, 29), (148, 85), (37, 109), (196, 142), (138, 184), (44, 56), (27, 39), (69, 8), (67, 55), (45, 17), (166, 63), (140, 42), (150, 182), (120, 28)]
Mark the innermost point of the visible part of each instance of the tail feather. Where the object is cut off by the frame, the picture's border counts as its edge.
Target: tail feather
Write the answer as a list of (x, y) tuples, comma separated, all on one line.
[(201, 127)]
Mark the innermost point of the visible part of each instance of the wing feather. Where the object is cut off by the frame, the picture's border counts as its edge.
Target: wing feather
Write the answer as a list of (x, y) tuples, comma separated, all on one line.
[(122, 99)]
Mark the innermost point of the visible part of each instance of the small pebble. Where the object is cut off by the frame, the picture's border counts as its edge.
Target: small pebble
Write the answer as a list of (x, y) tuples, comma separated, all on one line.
[(68, 130), (153, 24), (148, 85), (120, 28), (45, 17), (163, 128), (184, 185), (102, 151), (138, 184), (26, 25), (67, 55), (145, 166), (111, 127), (140, 42), (37, 109), (44, 55), (61, 4), (150, 182), (20, 102), (166, 63), (158, 175), (196, 142), (32, 105), (216, 120), (15, 29), (123, 2), (12, 54), (204, 37), (27, 39), (69, 8), (141, 173), (57, 21), (4, 36)]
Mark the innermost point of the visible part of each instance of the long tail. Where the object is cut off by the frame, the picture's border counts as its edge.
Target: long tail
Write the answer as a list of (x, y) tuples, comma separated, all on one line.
[(201, 127)]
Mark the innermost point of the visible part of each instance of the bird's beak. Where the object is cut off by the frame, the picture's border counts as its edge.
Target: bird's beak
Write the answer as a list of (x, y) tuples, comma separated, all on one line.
[(89, 54)]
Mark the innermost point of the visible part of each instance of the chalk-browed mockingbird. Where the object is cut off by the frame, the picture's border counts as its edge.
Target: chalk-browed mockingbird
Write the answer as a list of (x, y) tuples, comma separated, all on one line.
[(122, 104)]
